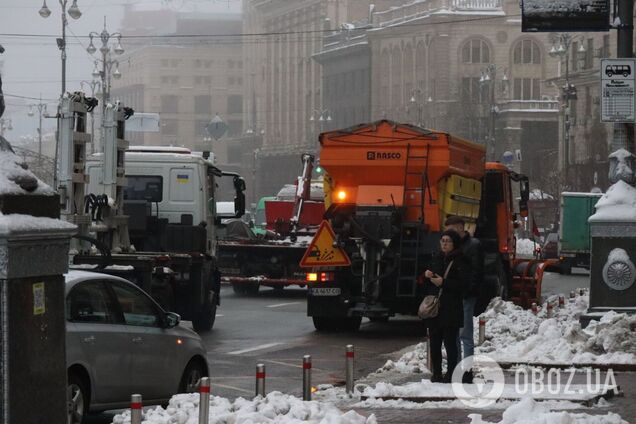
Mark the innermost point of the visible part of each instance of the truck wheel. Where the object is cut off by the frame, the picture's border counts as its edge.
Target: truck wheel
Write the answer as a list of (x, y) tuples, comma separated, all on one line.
[(325, 323), (204, 321)]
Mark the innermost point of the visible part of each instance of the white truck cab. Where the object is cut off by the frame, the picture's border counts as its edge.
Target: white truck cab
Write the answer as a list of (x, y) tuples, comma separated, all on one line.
[(172, 184)]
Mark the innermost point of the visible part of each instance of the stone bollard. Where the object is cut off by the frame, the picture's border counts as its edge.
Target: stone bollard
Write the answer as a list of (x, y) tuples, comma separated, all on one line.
[(307, 377), (135, 409), (572, 296), (549, 310), (482, 331), (349, 370), (260, 380), (535, 308), (561, 301), (204, 400)]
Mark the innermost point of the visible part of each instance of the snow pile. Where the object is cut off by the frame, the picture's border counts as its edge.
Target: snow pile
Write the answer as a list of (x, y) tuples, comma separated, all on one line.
[(537, 194), (15, 178), (275, 408), (412, 362), (517, 335), (529, 411), (526, 247), (617, 204), (22, 223)]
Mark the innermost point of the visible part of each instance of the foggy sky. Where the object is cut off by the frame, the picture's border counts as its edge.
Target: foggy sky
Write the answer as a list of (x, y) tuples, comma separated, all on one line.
[(32, 65)]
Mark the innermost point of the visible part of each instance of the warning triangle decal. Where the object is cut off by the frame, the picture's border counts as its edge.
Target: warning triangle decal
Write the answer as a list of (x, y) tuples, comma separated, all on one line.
[(321, 251)]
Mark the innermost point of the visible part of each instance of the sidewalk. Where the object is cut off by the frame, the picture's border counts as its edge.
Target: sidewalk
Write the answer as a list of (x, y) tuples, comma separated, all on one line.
[(623, 405)]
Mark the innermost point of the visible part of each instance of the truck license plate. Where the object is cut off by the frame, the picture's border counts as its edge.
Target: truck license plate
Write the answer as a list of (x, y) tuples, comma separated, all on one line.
[(324, 291)]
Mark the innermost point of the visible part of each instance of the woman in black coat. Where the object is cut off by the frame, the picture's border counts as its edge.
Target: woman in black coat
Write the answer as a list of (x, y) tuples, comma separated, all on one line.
[(444, 328)]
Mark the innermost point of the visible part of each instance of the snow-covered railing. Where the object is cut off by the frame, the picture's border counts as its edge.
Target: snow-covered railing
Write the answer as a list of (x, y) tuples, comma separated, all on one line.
[(420, 8), (476, 4)]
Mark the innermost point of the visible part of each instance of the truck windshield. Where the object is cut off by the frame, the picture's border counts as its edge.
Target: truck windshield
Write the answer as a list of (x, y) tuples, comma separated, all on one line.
[(144, 187)]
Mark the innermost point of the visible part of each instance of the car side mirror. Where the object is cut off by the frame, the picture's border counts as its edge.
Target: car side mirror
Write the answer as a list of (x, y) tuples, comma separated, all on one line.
[(172, 319)]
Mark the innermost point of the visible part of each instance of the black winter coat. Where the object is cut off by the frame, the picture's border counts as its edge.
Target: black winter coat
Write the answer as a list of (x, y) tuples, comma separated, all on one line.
[(474, 255), (455, 285)]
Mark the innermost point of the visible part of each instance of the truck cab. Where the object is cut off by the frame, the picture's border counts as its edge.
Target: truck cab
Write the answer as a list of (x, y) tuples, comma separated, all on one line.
[(170, 185)]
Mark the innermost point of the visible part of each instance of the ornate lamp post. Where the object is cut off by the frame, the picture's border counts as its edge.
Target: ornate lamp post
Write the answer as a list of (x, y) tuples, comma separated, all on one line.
[(41, 107), (74, 13), (488, 81), (107, 63), (561, 50)]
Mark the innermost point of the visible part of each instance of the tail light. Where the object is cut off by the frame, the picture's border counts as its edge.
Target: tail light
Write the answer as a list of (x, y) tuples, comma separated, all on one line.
[(319, 277), (341, 195)]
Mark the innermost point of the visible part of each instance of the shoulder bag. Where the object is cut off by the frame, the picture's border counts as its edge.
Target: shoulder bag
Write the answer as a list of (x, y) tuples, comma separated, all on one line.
[(429, 308)]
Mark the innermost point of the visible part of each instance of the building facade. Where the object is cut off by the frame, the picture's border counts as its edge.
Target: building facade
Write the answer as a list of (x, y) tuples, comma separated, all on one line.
[(188, 81)]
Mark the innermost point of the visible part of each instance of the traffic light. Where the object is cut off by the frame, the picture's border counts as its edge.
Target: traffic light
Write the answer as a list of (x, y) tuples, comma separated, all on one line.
[(318, 168)]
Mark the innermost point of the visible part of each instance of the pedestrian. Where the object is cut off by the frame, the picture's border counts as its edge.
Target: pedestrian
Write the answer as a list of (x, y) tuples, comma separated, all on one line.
[(446, 274), (474, 256)]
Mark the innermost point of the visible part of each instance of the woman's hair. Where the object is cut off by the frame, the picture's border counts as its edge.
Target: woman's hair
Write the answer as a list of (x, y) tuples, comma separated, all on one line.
[(453, 236)]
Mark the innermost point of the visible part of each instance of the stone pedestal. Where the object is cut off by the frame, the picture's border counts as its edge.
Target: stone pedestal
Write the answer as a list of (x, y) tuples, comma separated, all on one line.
[(33, 259), (613, 270)]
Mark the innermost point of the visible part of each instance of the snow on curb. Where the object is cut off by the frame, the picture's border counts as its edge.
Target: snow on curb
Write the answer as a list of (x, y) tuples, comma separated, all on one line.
[(276, 408), (515, 335), (528, 411)]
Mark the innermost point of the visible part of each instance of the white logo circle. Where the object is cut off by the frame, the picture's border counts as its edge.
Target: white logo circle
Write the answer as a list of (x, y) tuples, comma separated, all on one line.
[(487, 387)]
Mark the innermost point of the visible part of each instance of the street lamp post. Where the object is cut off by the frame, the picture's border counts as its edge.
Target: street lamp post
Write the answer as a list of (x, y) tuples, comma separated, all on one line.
[(41, 107), (74, 13), (107, 64), (488, 80), (254, 133), (94, 85), (561, 50), (320, 115)]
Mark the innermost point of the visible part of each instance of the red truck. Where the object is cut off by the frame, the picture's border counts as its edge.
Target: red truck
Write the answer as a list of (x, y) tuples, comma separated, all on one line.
[(292, 218)]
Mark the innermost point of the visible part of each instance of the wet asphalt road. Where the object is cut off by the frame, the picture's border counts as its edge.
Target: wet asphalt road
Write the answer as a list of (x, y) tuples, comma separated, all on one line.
[(272, 328)]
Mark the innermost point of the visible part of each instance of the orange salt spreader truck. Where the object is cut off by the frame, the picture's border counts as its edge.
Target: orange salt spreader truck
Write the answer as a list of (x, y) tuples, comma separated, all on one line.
[(388, 189)]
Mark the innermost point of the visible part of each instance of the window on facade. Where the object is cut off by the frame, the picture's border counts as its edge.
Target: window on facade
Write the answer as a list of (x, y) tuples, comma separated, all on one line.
[(526, 51), (199, 126), (207, 80), (234, 153), (235, 127), (235, 104), (475, 51), (169, 127), (165, 63), (169, 104), (203, 104), (197, 63), (230, 80), (526, 89), (471, 90), (573, 55)]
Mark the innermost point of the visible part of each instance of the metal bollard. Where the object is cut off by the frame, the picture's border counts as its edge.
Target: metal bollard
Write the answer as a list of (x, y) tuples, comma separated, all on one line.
[(429, 360), (572, 295), (307, 377), (482, 331), (549, 310), (581, 292), (260, 380), (204, 400), (561, 301), (535, 309), (349, 371), (135, 409)]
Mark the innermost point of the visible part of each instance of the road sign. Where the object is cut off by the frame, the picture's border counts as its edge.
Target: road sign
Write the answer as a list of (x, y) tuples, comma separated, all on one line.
[(217, 127), (321, 251), (617, 90)]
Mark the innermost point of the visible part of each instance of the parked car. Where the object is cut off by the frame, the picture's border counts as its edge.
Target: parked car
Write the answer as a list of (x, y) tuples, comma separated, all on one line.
[(119, 341)]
